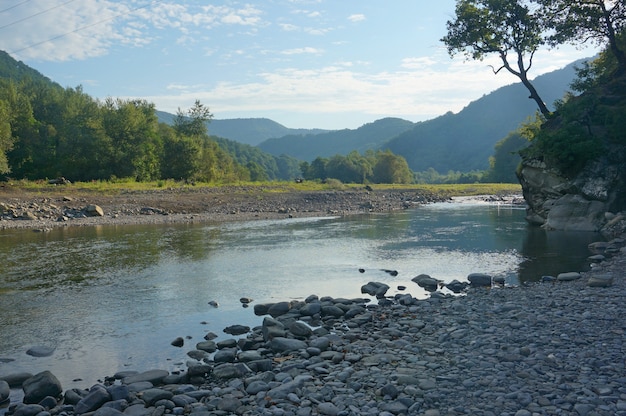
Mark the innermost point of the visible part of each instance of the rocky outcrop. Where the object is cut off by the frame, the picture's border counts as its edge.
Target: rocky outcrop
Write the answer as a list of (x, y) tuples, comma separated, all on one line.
[(593, 200)]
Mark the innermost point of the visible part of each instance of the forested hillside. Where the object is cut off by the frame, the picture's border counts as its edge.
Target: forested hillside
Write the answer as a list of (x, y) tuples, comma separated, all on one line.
[(47, 131), (370, 136), (465, 141), (250, 131)]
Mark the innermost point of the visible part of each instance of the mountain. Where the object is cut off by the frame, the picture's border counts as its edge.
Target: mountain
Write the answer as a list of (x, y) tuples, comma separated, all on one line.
[(250, 131), (308, 147), (17, 70), (275, 167), (465, 140)]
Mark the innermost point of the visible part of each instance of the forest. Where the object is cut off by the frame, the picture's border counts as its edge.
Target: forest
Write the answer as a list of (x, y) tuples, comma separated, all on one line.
[(47, 131)]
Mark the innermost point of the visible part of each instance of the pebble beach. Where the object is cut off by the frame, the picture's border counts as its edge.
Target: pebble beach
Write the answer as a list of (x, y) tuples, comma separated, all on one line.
[(554, 347)]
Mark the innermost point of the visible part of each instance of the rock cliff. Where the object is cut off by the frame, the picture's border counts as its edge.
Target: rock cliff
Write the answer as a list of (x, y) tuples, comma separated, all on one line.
[(573, 174), (593, 200)]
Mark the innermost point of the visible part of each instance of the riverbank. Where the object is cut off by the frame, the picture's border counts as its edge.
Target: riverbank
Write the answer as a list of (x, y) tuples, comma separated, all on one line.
[(551, 348), (62, 206)]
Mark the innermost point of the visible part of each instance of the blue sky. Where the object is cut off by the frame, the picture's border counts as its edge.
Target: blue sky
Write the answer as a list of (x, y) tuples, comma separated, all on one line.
[(303, 63)]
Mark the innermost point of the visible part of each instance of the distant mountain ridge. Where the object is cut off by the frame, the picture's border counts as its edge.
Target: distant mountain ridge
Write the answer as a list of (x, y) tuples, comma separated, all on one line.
[(451, 142), (367, 137), (464, 141), (250, 131)]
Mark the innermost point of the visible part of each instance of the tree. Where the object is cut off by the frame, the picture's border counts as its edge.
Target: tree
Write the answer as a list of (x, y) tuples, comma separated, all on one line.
[(6, 140), (503, 27), (577, 22), (193, 121), (133, 128), (506, 158), (390, 168)]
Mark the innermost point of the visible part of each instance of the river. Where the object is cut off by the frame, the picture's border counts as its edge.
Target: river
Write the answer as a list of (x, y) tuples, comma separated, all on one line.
[(111, 298)]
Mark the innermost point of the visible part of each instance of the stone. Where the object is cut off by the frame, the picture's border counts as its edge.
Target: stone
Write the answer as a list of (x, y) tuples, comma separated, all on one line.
[(28, 409), (40, 351), (257, 386), (300, 329), (227, 355), (332, 310), (237, 329), (97, 396), (310, 309), (280, 344), (456, 286), (5, 391), (153, 376), (226, 371), (426, 282), (151, 396), (247, 356), (16, 379), (108, 411), (600, 280), (41, 385), (278, 309), (479, 279), (178, 342), (568, 277), (375, 289), (94, 211), (207, 346)]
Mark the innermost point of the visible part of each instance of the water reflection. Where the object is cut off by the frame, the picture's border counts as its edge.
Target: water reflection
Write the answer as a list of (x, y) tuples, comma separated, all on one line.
[(103, 296), (553, 252)]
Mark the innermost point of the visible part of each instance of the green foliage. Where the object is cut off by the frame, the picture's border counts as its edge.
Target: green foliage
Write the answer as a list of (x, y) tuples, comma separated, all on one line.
[(193, 122), (390, 168), (6, 141), (47, 131), (584, 126), (578, 22), (431, 176), (508, 29), (370, 136), (373, 167), (506, 158), (281, 167)]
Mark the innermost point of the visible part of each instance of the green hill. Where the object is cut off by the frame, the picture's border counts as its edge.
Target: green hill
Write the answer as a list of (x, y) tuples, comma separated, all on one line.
[(250, 131), (369, 136), (465, 140)]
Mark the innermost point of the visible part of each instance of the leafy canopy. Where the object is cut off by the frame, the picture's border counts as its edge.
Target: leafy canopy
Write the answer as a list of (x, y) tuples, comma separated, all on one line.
[(506, 28)]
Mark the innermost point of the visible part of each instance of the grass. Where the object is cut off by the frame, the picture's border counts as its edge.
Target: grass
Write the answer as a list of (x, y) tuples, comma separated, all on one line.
[(117, 186)]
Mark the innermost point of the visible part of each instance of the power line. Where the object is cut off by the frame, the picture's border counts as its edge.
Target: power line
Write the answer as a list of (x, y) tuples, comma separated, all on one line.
[(83, 27), (13, 7), (36, 14)]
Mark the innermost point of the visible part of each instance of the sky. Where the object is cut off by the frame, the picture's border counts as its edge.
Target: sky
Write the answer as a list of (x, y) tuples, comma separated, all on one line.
[(329, 64)]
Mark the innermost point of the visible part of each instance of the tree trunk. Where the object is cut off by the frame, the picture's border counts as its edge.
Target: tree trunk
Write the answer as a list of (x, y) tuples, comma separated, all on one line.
[(534, 95)]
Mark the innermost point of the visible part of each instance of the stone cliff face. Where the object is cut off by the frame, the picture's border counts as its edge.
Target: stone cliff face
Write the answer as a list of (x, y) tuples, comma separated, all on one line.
[(593, 200)]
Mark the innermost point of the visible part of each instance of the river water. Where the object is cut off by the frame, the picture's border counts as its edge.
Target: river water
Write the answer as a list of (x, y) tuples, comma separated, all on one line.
[(110, 298)]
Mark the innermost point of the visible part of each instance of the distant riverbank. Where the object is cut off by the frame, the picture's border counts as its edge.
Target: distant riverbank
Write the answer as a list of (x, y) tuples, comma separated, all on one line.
[(70, 205)]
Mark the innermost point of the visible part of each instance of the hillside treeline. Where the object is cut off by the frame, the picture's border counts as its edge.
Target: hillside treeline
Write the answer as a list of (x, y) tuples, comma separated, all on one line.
[(47, 132)]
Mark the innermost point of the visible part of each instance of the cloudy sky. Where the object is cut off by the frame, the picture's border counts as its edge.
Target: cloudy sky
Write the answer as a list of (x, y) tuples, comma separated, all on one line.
[(303, 63)]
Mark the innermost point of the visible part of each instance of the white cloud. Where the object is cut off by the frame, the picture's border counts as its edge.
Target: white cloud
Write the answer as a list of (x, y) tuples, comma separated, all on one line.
[(299, 51), (91, 28), (288, 27), (356, 18)]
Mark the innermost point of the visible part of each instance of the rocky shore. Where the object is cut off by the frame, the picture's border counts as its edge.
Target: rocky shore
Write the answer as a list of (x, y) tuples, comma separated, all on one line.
[(67, 207), (550, 348)]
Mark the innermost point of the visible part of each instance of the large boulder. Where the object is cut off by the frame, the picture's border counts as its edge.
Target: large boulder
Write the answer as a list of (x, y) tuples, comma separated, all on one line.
[(41, 385), (585, 202)]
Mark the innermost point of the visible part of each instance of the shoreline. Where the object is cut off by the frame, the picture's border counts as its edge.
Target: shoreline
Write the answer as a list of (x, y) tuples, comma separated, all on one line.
[(55, 209), (551, 348)]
